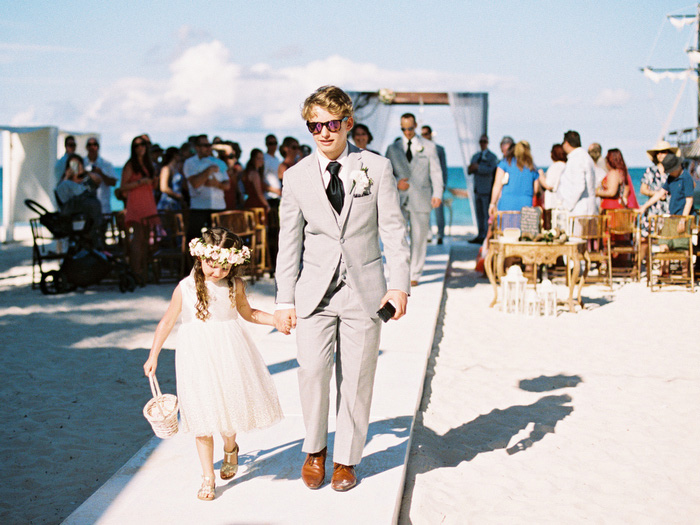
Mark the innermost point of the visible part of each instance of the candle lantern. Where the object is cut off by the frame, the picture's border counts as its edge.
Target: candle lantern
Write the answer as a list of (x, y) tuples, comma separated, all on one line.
[(560, 219), (533, 304), (549, 298), (513, 290)]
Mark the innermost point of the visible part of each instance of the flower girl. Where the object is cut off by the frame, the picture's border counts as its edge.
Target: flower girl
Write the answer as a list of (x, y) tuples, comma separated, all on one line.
[(223, 384)]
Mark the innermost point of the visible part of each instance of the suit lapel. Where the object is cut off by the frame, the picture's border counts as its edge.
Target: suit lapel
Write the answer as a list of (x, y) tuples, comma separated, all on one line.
[(401, 156), (354, 163)]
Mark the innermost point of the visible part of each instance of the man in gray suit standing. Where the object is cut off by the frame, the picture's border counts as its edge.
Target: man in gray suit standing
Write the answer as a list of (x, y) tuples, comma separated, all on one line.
[(483, 166), (417, 169), (336, 204), (427, 133)]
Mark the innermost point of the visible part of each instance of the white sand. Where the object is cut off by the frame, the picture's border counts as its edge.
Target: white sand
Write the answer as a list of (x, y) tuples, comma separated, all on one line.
[(590, 417), (73, 386)]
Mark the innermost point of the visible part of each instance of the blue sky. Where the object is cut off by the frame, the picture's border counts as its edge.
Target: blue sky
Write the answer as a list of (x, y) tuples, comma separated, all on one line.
[(241, 69)]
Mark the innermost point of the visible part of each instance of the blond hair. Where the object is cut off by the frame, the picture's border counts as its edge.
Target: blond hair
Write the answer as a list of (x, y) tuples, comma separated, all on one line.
[(331, 98), (523, 157)]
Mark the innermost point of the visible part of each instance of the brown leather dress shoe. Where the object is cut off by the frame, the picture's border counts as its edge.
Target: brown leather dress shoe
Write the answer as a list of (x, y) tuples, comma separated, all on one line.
[(313, 471), (344, 477)]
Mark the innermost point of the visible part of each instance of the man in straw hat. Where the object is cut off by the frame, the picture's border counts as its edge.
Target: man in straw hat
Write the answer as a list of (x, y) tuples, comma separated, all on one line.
[(678, 188), (652, 180)]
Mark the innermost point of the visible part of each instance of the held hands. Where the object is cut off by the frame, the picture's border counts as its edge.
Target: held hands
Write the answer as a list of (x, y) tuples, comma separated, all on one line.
[(285, 320), (399, 300), (435, 202), (403, 184)]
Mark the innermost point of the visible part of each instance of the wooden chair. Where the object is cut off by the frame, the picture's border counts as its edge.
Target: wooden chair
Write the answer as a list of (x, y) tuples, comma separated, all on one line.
[(624, 243), (242, 223), (664, 231), (166, 242), (593, 230), (261, 257)]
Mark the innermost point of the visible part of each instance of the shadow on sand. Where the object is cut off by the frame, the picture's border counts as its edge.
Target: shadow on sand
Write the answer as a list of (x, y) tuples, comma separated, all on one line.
[(283, 462)]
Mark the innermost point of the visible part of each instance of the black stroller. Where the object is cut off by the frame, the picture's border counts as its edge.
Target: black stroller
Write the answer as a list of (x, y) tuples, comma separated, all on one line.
[(82, 263)]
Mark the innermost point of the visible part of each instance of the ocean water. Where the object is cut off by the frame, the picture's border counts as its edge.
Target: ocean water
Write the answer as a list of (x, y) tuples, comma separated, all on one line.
[(461, 211)]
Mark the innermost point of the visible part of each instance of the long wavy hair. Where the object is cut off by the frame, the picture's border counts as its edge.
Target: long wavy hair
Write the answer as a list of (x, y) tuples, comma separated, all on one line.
[(250, 165), (225, 239), (144, 162), (523, 156)]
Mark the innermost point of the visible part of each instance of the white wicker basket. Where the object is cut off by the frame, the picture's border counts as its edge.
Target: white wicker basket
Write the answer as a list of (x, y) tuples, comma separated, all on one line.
[(161, 411)]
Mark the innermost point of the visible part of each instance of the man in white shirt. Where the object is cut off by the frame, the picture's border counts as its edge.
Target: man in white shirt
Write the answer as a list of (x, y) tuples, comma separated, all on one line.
[(207, 181), (60, 166), (101, 172), (272, 164), (595, 150), (576, 190), (427, 133)]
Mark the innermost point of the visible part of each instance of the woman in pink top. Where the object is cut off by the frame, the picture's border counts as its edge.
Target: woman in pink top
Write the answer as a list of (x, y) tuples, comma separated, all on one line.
[(138, 181), (616, 190)]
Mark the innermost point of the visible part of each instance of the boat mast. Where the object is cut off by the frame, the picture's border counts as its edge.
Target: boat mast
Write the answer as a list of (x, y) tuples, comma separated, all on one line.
[(652, 71)]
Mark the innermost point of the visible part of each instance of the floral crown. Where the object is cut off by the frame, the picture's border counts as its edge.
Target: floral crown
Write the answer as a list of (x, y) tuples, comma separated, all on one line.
[(217, 255)]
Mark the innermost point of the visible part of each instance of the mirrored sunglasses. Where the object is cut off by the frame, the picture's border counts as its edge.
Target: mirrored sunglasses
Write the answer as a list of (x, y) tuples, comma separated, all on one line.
[(331, 125)]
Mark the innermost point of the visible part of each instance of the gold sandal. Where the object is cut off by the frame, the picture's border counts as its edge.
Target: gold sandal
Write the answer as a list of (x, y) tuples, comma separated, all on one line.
[(206, 491), (230, 465)]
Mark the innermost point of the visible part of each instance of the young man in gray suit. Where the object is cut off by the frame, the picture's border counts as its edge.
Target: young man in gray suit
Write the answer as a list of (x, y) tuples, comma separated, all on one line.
[(417, 169), (336, 204), (427, 133)]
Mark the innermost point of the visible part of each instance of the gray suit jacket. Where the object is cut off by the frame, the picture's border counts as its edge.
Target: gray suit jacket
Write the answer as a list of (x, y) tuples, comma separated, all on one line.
[(483, 178), (443, 163), (423, 173), (313, 238)]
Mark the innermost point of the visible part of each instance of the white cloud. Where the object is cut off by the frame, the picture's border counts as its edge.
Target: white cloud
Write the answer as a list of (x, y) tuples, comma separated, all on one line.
[(612, 98), (207, 91), (566, 101)]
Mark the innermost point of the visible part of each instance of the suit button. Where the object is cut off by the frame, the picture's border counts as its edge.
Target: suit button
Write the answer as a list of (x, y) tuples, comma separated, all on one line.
[(342, 240)]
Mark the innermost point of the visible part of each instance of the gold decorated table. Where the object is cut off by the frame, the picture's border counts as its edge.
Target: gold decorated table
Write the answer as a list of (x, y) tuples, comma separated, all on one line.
[(574, 250)]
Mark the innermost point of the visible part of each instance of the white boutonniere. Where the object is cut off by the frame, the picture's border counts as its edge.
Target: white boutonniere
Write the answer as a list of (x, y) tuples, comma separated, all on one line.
[(361, 183), (419, 148)]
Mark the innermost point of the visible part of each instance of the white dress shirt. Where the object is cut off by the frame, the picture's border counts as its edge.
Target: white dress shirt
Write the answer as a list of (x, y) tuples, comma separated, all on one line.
[(323, 162), (205, 197)]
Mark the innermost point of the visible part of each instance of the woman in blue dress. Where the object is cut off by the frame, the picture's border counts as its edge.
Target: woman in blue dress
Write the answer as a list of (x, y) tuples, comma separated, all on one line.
[(516, 181), (171, 181)]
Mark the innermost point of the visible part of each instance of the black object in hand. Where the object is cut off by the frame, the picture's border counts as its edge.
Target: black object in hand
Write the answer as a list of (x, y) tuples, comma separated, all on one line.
[(386, 312)]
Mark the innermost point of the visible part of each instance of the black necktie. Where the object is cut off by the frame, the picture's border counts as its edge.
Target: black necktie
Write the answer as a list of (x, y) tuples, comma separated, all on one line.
[(335, 191), (409, 155)]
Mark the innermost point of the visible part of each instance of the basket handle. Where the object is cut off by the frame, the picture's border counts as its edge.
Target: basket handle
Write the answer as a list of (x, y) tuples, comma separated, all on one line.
[(155, 387)]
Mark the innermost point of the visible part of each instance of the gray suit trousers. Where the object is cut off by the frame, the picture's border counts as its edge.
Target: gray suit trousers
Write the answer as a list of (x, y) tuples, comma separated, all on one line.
[(419, 231), (337, 327)]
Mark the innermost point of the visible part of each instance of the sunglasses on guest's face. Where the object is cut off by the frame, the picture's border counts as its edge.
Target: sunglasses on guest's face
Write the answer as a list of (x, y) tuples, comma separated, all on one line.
[(92, 144), (70, 145), (137, 144), (408, 129), (331, 125)]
